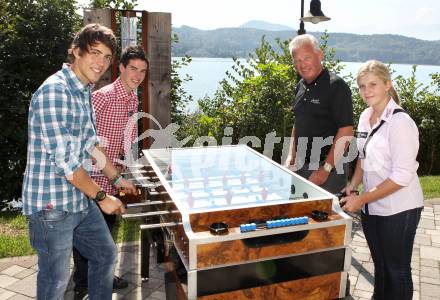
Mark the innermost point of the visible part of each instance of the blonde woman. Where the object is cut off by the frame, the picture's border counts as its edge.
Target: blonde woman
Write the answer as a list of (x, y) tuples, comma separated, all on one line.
[(392, 202)]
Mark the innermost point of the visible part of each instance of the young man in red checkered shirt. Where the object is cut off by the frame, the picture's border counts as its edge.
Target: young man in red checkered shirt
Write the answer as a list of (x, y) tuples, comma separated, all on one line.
[(114, 106)]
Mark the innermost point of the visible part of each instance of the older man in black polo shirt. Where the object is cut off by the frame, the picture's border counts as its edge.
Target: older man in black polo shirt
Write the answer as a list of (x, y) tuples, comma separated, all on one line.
[(323, 111)]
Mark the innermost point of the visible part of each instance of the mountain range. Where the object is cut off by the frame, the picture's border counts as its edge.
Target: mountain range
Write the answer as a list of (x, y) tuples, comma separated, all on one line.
[(259, 24), (240, 41)]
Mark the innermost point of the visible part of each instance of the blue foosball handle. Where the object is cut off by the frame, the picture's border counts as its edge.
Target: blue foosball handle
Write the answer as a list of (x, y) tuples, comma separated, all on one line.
[(276, 223)]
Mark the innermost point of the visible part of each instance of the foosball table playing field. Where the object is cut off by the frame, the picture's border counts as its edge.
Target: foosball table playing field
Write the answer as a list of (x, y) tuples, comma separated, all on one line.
[(233, 224)]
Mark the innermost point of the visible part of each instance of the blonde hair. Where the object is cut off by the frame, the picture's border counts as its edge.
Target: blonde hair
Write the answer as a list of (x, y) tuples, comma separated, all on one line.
[(302, 40), (380, 70)]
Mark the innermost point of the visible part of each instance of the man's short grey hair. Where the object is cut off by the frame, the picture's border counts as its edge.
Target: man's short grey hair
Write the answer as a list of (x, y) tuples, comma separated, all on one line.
[(302, 40)]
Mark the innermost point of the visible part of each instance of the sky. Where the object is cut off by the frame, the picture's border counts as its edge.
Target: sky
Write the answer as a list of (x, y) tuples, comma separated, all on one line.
[(419, 19)]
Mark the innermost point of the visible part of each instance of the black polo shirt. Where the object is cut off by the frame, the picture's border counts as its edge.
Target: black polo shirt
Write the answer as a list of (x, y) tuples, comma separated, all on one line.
[(321, 108)]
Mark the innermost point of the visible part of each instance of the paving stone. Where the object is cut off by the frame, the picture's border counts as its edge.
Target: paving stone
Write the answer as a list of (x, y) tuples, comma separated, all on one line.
[(364, 284), (353, 271), (128, 262), (415, 266), (429, 298), (420, 230), (27, 261), (363, 294), (415, 278), (416, 287), (157, 295), (368, 267), (425, 265), (130, 288), (5, 294), (135, 279), (19, 297), (432, 272), (426, 224), (13, 270), (358, 237), (6, 281), (364, 250), (138, 293), (157, 274), (433, 231), (429, 290), (423, 239), (435, 238), (25, 273), (361, 243), (435, 281), (362, 257), (351, 292), (26, 286), (427, 252), (6, 264)]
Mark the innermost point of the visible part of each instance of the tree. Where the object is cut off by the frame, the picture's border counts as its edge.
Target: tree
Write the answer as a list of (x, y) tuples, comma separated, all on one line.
[(179, 97), (116, 4), (34, 38), (256, 98), (423, 105)]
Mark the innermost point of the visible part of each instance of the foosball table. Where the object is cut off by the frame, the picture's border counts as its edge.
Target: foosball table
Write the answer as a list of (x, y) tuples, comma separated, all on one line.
[(234, 224)]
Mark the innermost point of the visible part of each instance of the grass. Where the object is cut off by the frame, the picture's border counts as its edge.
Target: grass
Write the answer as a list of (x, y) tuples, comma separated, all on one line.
[(126, 231), (14, 240), (14, 236), (430, 186)]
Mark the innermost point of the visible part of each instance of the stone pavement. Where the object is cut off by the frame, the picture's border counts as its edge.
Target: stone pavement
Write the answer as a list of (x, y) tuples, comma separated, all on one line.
[(18, 274)]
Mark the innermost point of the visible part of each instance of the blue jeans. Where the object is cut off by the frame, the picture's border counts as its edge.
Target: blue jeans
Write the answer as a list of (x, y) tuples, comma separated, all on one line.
[(52, 234), (80, 276), (391, 240)]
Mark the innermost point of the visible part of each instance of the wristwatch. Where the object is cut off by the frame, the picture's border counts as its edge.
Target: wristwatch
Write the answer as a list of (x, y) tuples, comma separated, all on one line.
[(100, 196), (327, 167)]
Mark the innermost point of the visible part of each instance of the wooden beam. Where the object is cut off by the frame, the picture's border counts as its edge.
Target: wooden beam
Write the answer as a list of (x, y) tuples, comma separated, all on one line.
[(159, 54)]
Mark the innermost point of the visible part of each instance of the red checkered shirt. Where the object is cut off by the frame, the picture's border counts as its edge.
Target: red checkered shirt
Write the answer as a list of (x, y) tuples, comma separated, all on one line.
[(114, 108)]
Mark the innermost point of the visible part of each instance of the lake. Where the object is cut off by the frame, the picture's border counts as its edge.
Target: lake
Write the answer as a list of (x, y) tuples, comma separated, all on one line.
[(207, 72)]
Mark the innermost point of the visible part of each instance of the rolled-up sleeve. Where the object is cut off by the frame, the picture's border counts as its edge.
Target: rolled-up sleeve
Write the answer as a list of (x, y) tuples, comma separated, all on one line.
[(55, 111), (404, 146)]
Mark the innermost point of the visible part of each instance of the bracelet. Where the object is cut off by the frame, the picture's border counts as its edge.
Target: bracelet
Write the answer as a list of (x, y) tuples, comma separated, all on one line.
[(115, 180)]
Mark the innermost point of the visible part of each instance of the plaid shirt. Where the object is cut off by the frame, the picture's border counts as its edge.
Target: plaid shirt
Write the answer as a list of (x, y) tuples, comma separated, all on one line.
[(116, 127), (61, 135)]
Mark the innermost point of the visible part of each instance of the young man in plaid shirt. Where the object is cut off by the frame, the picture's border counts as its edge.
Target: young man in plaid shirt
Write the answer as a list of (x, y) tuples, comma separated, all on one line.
[(60, 199), (115, 106)]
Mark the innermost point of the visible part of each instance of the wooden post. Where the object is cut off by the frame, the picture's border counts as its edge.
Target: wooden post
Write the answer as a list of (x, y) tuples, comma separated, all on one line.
[(146, 142), (156, 40), (159, 55), (102, 16)]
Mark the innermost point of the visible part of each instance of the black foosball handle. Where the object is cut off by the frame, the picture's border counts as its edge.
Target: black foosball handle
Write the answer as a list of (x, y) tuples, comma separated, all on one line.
[(145, 255)]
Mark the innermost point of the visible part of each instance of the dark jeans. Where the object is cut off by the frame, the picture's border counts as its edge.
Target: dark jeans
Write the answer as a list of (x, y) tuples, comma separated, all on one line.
[(391, 239), (80, 271)]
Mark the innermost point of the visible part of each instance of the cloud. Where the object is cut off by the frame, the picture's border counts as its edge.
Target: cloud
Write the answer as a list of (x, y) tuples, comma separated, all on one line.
[(425, 15)]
